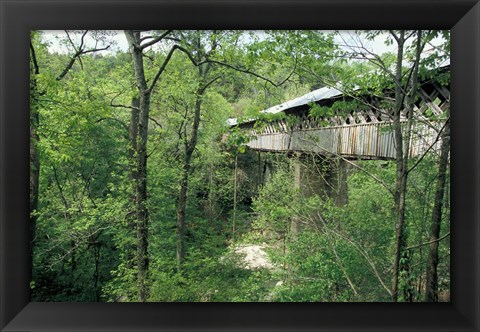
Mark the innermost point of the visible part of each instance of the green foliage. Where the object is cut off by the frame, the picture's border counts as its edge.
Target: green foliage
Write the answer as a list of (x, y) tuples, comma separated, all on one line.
[(86, 236), (276, 204), (314, 274), (236, 141), (340, 108)]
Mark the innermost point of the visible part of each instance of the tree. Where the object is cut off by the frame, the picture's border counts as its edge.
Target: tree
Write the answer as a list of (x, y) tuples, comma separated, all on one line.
[(404, 101), (136, 49), (196, 39), (39, 90), (396, 79), (34, 139), (204, 49), (431, 293), (79, 151), (144, 192)]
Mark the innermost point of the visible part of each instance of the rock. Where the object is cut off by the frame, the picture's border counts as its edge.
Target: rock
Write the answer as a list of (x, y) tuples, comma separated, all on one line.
[(254, 256)]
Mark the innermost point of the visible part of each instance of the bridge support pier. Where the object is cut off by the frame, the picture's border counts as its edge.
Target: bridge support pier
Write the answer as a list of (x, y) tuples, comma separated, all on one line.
[(322, 176)]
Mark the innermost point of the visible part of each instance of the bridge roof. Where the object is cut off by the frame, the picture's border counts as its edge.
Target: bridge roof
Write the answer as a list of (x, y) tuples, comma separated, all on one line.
[(314, 96)]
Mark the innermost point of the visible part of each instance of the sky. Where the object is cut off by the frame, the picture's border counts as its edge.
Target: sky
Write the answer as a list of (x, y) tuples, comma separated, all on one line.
[(52, 36), (378, 45)]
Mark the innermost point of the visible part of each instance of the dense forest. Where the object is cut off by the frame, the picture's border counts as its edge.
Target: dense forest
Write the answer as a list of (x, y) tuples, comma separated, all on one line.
[(141, 189)]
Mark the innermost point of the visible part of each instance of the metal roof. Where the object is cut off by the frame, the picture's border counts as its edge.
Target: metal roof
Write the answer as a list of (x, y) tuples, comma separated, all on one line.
[(314, 96)]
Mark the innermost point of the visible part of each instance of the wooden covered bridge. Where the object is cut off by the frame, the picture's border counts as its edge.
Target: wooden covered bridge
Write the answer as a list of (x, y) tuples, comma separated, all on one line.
[(357, 134), (360, 134)]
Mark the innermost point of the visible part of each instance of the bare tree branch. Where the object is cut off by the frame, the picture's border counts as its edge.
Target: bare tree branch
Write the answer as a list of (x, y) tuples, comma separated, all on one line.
[(124, 125), (363, 253), (162, 67), (430, 147), (154, 40), (208, 84), (124, 106), (34, 59), (155, 121), (78, 53), (427, 243), (339, 261), (394, 35)]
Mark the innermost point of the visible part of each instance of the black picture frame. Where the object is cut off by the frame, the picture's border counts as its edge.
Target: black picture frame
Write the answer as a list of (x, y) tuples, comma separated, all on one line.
[(18, 17)]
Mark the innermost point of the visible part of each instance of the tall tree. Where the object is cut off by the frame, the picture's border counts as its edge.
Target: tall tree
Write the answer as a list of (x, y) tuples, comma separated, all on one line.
[(34, 140), (406, 96), (200, 57), (80, 48), (404, 71), (431, 292), (137, 45), (209, 50)]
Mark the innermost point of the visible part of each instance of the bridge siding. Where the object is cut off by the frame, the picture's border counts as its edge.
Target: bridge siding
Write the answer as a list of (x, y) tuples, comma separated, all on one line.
[(363, 134), (367, 141)]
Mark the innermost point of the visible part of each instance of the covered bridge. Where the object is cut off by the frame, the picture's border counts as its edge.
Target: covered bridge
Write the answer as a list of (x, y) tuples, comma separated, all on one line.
[(365, 133)]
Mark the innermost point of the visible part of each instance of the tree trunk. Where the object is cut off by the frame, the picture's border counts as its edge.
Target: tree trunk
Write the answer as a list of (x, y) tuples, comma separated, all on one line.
[(96, 257), (431, 294), (400, 184), (341, 198), (234, 198), (295, 222), (182, 203), (182, 197), (402, 258), (141, 201), (136, 51), (133, 39), (133, 137), (34, 141), (132, 165)]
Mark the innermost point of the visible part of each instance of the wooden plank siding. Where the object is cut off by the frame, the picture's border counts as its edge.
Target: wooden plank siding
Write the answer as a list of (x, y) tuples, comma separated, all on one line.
[(362, 141), (362, 134)]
